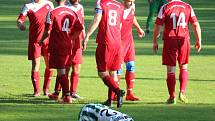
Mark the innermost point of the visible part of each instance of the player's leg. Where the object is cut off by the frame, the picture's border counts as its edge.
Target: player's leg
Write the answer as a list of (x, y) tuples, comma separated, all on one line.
[(76, 61), (34, 54), (110, 83), (130, 78), (35, 76), (57, 89), (47, 76), (183, 59), (169, 58), (74, 79), (111, 95), (64, 82), (183, 78), (59, 62), (171, 81)]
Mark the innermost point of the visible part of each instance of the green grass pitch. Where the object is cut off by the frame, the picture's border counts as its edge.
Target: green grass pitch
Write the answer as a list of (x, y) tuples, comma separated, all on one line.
[(16, 103)]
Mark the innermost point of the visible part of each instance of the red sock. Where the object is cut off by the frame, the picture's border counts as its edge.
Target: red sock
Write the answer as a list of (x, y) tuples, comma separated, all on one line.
[(74, 82), (109, 81), (65, 84), (35, 77), (183, 78), (129, 77), (111, 93), (171, 84), (47, 78), (57, 84)]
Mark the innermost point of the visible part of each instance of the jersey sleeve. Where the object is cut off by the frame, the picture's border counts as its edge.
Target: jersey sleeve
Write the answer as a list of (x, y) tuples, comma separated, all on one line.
[(77, 25), (23, 14), (193, 17), (133, 5), (98, 8), (83, 14), (49, 19), (160, 17)]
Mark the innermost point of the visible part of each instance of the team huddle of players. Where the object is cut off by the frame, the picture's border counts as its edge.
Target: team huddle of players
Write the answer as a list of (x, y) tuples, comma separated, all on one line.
[(59, 35)]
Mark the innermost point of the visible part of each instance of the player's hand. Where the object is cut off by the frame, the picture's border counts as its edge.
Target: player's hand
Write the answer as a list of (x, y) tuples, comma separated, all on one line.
[(141, 33), (198, 46), (84, 43), (155, 47), (22, 27)]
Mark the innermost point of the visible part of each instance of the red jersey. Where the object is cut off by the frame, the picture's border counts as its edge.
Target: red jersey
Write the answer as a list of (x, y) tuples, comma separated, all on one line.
[(176, 15), (62, 22), (79, 10), (37, 16), (109, 32), (126, 31)]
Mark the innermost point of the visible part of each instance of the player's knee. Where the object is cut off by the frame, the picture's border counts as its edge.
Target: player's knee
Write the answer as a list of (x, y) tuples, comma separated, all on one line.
[(103, 74), (184, 66), (130, 66)]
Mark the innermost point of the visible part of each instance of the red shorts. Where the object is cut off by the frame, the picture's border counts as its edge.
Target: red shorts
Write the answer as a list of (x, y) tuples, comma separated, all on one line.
[(58, 61), (128, 53), (108, 58), (44, 51), (175, 50), (35, 50), (76, 57)]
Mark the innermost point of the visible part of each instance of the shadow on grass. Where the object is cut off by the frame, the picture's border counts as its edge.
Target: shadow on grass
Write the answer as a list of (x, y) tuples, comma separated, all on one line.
[(151, 79), (29, 100)]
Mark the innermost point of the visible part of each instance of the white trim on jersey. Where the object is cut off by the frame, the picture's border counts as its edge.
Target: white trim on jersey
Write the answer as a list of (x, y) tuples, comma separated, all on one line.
[(98, 4), (192, 12), (177, 6), (35, 7), (160, 14), (127, 11), (48, 18)]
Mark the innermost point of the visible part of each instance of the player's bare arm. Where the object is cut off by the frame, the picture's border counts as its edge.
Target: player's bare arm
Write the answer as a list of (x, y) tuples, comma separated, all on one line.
[(197, 31), (141, 33), (21, 25), (96, 20), (156, 35)]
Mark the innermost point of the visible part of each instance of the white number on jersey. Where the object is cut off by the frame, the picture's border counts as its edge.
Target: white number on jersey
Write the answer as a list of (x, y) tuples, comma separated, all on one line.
[(65, 27), (180, 22), (112, 17)]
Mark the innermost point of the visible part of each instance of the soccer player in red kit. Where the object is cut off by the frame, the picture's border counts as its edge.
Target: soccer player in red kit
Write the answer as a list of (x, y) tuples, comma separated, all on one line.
[(76, 59), (108, 19), (128, 50), (176, 16), (36, 11), (63, 24)]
